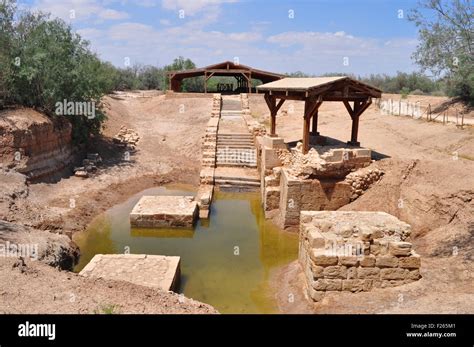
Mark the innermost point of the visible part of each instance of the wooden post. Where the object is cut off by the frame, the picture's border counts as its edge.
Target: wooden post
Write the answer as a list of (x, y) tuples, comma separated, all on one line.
[(314, 127), (355, 112), (249, 83), (355, 131), (205, 82), (310, 110), (306, 135), (273, 107)]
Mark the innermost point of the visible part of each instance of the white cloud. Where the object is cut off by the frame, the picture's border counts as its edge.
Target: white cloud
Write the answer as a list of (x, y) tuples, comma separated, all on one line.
[(78, 10), (112, 14), (201, 38), (325, 52), (191, 7)]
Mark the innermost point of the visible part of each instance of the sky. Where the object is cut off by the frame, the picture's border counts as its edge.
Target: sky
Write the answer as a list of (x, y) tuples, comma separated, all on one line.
[(313, 36)]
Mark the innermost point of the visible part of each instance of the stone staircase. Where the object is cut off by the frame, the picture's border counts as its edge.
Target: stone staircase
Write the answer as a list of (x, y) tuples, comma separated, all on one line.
[(235, 150), (236, 179)]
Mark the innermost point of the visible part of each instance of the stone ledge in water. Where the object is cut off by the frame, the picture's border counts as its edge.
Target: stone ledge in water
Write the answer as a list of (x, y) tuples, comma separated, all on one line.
[(155, 271), (164, 212)]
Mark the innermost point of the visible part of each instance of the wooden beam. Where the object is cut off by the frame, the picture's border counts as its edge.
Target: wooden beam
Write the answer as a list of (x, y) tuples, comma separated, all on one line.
[(278, 106), (348, 107)]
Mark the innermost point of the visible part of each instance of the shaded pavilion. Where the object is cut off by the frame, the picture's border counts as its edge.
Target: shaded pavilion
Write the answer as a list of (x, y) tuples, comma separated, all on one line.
[(314, 91), (242, 73)]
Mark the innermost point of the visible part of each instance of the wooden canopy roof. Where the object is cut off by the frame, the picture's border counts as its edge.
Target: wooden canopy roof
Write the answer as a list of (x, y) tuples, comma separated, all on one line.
[(226, 68), (337, 88), (313, 91)]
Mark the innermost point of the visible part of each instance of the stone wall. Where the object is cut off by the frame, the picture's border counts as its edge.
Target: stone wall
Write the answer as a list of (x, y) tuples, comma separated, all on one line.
[(255, 128), (323, 179), (362, 180), (354, 252), (209, 151)]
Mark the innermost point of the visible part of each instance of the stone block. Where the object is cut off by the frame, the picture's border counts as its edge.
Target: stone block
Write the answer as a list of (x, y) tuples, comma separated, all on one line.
[(357, 285), (335, 272), (316, 239), (368, 272), (414, 275), (367, 261), (327, 284), (320, 257), (164, 212), (155, 271), (393, 274), (352, 273), (411, 262), (349, 260), (386, 261), (400, 248), (315, 295), (273, 142)]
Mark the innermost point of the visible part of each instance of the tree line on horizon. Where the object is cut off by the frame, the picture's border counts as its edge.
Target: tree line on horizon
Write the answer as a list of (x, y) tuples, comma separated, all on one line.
[(43, 61)]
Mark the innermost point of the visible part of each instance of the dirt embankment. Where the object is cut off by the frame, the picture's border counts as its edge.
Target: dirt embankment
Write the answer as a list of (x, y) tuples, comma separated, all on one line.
[(34, 144), (170, 131)]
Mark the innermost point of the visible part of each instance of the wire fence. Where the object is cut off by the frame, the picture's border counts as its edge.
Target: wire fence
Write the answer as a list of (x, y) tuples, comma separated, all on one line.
[(416, 111)]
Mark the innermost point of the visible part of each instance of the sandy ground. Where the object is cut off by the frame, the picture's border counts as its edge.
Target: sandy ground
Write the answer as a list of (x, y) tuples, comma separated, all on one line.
[(52, 291), (428, 183)]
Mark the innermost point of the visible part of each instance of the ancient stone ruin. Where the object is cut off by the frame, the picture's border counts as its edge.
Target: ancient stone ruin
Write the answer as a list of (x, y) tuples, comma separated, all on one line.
[(164, 212), (323, 179), (355, 251), (155, 271)]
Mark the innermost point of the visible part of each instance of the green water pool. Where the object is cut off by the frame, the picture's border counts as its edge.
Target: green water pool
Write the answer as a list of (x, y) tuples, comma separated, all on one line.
[(225, 261)]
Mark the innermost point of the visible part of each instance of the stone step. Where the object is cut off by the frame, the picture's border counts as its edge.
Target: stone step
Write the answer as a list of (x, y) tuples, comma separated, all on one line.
[(235, 188), (236, 142), (235, 134), (236, 178), (237, 183), (234, 139), (231, 111), (235, 146), (234, 164)]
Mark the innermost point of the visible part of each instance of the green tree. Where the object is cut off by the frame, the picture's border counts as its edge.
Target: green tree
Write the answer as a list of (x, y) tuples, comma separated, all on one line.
[(44, 63), (7, 11), (195, 84), (446, 30)]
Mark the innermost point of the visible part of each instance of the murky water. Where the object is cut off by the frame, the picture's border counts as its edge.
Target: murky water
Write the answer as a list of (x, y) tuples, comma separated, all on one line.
[(225, 262)]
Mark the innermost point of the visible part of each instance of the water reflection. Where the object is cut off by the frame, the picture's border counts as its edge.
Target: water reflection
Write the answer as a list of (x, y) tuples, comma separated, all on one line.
[(226, 261)]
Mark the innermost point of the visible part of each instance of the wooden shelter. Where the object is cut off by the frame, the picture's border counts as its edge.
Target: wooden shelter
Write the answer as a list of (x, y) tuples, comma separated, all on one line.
[(242, 73), (313, 91)]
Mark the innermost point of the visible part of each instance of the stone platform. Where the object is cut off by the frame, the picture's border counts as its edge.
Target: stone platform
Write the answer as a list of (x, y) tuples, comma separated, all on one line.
[(355, 251), (155, 271), (164, 212)]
